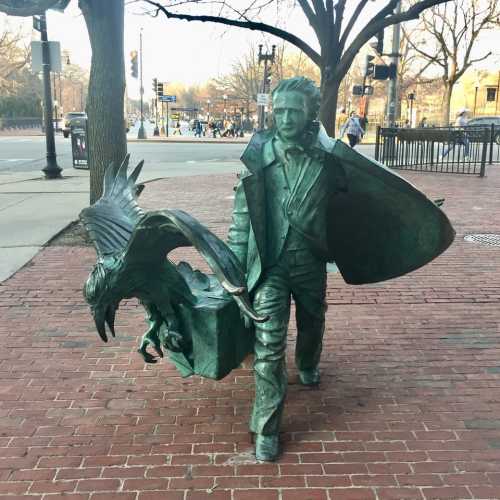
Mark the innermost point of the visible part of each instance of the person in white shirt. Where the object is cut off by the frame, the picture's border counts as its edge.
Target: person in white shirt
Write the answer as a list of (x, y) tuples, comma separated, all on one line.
[(461, 139), (353, 128)]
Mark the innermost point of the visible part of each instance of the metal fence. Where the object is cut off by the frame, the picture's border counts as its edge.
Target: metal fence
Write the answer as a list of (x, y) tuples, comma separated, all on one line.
[(457, 150), (17, 123)]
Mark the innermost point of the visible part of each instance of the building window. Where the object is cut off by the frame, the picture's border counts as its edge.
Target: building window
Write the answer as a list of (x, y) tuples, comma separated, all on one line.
[(491, 94)]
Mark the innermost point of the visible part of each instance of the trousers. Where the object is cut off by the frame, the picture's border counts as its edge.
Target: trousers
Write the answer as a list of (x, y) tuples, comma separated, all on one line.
[(301, 275)]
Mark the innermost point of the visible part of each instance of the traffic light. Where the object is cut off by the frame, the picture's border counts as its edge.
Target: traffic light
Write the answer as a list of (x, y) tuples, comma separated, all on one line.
[(155, 83), (379, 48), (268, 79), (159, 89), (357, 90), (382, 71), (369, 66), (134, 66)]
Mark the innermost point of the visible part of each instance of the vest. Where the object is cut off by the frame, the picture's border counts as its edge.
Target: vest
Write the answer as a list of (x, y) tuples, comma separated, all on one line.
[(280, 186)]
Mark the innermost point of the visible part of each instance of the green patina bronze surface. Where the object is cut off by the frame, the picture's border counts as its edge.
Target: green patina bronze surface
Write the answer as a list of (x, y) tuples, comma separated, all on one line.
[(194, 316), (304, 201)]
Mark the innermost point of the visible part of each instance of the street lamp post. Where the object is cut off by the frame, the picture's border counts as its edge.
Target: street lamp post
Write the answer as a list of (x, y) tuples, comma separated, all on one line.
[(208, 110), (392, 88), (52, 170), (475, 97), (265, 81), (224, 97), (142, 132)]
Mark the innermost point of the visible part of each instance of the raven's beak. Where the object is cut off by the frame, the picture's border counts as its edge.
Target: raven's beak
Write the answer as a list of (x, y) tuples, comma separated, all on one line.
[(110, 318), (99, 323)]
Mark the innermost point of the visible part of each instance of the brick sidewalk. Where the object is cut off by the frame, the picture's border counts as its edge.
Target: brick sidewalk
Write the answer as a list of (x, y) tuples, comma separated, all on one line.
[(409, 405)]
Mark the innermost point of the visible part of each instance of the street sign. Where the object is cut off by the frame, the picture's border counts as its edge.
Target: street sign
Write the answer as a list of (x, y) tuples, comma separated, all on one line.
[(185, 110), (167, 98), (262, 99), (358, 90), (37, 24), (36, 56)]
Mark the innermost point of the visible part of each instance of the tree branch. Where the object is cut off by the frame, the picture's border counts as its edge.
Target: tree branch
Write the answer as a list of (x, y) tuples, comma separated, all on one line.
[(311, 16), (26, 8), (351, 22), (251, 25), (377, 24)]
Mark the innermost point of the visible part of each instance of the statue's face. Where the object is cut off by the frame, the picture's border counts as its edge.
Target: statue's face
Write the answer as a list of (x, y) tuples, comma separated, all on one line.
[(291, 114)]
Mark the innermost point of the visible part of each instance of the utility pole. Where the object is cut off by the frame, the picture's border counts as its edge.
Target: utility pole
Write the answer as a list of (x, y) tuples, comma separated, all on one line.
[(142, 132), (52, 170), (392, 87), (265, 87)]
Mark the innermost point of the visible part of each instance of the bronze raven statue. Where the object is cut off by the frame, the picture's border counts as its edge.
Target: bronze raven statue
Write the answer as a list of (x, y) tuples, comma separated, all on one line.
[(198, 318)]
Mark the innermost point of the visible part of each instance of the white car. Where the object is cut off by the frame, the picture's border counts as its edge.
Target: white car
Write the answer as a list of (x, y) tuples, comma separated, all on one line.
[(68, 117)]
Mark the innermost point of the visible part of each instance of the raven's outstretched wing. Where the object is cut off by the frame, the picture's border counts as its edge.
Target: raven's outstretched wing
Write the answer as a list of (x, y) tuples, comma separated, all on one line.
[(118, 227), (112, 219), (160, 232)]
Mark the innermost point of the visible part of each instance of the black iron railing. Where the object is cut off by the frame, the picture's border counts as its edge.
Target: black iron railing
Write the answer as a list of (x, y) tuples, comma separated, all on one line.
[(457, 150), (18, 123)]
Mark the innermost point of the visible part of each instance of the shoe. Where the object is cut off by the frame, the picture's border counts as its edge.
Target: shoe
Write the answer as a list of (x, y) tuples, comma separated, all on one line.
[(310, 377), (267, 448)]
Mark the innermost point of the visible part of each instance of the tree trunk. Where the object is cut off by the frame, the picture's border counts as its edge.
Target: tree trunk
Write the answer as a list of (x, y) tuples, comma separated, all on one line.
[(448, 89), (328, 109), (106, 136)]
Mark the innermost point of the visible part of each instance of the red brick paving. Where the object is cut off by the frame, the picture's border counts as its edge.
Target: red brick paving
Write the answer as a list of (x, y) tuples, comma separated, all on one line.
[(409, 405)]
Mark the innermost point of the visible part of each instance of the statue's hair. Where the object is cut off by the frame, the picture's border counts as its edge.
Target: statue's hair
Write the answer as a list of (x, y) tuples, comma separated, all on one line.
[(305, 86)]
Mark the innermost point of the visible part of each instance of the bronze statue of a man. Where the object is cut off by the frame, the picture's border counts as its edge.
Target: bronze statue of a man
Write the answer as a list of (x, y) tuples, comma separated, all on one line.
[(306, 200), (283, 249)]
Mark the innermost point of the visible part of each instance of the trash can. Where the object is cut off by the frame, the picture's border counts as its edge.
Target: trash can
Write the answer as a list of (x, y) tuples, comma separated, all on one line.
[(79, 147)]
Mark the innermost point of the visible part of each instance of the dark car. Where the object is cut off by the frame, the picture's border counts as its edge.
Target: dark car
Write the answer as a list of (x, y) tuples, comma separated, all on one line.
[(487, 121), (68, 118)]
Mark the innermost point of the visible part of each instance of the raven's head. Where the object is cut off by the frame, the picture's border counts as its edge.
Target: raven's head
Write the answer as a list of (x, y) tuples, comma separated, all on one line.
[(100, 293)]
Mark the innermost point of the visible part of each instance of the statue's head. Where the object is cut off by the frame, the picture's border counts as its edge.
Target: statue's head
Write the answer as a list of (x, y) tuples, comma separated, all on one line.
[(98, 292), (295, 106)]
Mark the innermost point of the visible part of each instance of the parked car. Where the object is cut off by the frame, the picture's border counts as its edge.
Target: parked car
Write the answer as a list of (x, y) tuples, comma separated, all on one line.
[(68, 118), (487, 121)]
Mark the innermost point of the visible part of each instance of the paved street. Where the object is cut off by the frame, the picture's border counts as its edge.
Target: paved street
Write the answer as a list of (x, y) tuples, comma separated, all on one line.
[(408, 406), (26, 154)]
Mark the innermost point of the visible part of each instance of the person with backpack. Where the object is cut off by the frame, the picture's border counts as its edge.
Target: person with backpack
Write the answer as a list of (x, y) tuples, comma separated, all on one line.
[(353, 129)]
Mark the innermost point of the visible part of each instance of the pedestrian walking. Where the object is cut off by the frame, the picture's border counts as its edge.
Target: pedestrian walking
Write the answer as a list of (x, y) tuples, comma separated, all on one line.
[(353, 129), (423, 122), (341, 119), (177, 129), (458, 137), (198, 130)]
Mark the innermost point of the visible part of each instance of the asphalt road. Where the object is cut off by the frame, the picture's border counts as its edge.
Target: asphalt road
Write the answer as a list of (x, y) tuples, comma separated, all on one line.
[(26, 154)]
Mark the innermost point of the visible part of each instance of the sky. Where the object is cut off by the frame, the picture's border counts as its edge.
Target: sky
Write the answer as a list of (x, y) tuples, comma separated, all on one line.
[(181, 51), (173, 50)]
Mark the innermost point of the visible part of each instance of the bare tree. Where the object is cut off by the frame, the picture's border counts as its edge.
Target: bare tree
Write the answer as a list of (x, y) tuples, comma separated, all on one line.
[(448, 36), (14, 56), (105, 104), (244, 79), (338, 40)]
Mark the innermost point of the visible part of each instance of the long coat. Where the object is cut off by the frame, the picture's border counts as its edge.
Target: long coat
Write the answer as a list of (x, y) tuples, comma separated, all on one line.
[(378, 226)]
